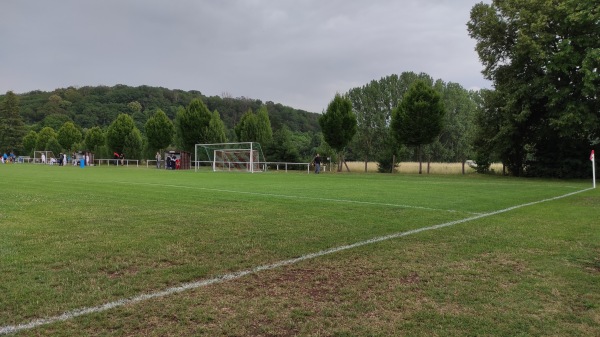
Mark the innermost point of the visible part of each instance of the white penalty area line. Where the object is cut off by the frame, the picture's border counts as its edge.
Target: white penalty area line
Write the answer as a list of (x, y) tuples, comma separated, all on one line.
[(232, 276), (299, 197)]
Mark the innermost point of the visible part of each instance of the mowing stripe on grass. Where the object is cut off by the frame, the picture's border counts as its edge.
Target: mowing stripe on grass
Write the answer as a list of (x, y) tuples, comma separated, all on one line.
[(298, 197), (232, 276)]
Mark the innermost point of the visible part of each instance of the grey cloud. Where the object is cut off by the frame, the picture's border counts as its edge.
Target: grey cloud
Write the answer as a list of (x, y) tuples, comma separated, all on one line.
[(299, 53)]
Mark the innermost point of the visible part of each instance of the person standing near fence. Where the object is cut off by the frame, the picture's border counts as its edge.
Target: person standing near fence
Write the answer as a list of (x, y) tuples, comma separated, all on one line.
[(158, 157), (317, 162)]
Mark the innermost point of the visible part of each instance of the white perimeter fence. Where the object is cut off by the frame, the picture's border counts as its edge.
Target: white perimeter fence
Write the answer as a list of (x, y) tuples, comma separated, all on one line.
[(265, 166)]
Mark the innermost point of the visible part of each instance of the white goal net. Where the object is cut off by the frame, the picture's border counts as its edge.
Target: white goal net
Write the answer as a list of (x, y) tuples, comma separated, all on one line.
[(245, 156), (44, 157)]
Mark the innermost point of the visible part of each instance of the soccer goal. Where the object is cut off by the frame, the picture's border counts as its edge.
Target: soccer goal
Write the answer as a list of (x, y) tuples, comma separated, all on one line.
[(44, 157), (245, 156)]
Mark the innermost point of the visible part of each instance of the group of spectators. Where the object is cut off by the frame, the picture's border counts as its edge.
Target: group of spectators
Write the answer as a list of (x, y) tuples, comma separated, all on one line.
[(8, 158), (64, 159), (171, 161), (119, 157)]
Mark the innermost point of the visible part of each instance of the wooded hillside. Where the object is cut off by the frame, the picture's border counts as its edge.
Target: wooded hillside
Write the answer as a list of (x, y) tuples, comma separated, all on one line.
[(100, 105)]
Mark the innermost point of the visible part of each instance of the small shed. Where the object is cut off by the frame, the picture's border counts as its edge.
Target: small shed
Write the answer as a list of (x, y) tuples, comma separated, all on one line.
[(177, 160)]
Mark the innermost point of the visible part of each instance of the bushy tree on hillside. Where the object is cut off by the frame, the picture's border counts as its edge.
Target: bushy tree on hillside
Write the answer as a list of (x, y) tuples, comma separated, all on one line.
[(133, 144), (68, 134), (44, 137), (191, 125), (54, 146), (138, 115), (12, 128), (55, 121), (265, 133), (255, 127), (159, 131), (121, 135), (247, 129), (94, 138), (29, 143), (217, 133)]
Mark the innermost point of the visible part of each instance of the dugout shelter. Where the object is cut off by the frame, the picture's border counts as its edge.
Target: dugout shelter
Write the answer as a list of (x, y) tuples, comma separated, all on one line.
[(177, 160)]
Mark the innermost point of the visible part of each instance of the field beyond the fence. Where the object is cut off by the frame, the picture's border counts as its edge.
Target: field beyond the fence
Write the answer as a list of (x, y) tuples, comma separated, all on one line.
[(137, 251), (413, 167)]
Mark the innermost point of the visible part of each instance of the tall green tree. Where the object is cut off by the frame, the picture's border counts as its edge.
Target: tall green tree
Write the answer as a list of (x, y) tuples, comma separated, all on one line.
[(68, 134), (490, 140), (264, 131), (338, 124), (191, 125), (418, 119), (247, 129), (94, 138), (29, 142), (159, 131), (133, 144), (373, 104), (544, 59), (119, 132), (44, 137), (12, 127), (372, 119), (54, 146), (455, 141), (217, 133)]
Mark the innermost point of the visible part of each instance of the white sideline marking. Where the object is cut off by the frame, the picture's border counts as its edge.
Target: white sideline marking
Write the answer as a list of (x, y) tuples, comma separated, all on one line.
[(298, 197), (232, 276)]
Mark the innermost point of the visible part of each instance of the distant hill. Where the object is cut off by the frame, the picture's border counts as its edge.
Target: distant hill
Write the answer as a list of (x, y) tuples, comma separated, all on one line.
[(99, 105)]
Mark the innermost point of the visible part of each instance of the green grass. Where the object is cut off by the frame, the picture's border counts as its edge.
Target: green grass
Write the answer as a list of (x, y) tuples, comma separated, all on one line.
[(73, 238)]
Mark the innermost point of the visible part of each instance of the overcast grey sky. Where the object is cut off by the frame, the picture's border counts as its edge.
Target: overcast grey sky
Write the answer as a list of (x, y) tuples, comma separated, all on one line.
[(295, 52)]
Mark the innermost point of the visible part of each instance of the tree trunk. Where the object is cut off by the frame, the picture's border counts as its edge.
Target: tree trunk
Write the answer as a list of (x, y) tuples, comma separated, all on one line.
[(463, 167), (366, 162), (420, 155), (347, 168)]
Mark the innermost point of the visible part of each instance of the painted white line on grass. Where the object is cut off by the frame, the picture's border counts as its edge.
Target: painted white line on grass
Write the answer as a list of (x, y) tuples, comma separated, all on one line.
[(232, 276), (299, 197)]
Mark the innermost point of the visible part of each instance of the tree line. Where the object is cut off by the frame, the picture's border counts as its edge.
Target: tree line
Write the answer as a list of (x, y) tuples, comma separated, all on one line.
[(542, 119), (138, 121), (287, 134)]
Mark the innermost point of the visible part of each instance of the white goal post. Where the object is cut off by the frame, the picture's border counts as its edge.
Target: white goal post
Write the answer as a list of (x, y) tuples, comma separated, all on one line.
[(43, 157), (243, 156)]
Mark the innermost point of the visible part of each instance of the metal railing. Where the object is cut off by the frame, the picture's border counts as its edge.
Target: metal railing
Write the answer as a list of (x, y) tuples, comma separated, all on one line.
[(265, 166), (118, 162)]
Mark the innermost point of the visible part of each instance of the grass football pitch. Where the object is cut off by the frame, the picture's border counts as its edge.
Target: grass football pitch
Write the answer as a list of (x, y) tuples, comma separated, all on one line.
[(124, 251)]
